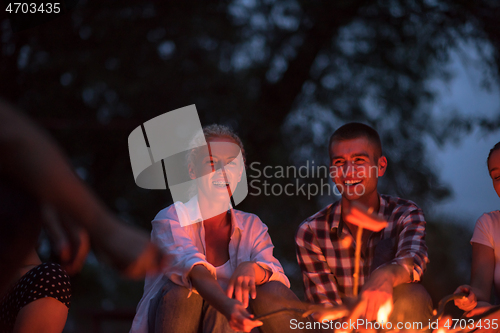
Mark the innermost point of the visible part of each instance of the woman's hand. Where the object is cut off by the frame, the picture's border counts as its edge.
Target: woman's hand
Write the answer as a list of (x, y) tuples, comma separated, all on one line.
[(238, 317), (242, 282), (486, 324), (479, 309), (466, 303)]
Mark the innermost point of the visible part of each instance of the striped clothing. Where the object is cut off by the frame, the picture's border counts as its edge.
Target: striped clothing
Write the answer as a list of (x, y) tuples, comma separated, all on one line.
[(325, 249)]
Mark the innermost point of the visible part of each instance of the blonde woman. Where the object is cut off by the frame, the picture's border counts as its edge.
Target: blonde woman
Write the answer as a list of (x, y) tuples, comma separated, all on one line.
[(222, 257)]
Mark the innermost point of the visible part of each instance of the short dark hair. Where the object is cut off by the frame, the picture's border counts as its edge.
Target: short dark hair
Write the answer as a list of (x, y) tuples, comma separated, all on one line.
[(355, 130), (495, 148)]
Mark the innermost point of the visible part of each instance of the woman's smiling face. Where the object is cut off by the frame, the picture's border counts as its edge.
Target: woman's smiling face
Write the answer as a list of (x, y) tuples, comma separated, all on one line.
[(494, 169), (217, 168)]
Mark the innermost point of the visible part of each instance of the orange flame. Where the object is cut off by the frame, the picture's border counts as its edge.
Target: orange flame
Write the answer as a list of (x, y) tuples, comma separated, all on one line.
[(384, 311)]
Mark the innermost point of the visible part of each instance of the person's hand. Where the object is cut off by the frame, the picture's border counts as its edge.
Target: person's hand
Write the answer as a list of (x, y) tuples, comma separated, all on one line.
[(242, 283), (238, 317), (123, 247), (127, 249), (490, 323), (480, 308), (487, 324), (466, 303), (70, 242), (377, 292)]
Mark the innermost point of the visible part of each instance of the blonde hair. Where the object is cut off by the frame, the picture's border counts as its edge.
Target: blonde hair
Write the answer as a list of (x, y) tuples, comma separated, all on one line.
[(210, 132)]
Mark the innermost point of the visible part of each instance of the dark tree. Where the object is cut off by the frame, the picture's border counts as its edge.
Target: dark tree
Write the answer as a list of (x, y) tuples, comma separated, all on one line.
[(283, 73)]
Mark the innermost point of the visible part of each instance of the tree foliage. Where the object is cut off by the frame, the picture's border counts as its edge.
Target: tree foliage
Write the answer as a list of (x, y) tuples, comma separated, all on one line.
[(283, 73)]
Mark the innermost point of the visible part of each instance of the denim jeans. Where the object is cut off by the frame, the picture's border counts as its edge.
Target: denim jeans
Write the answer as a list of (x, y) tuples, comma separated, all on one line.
[(172, 311), (412, 305)]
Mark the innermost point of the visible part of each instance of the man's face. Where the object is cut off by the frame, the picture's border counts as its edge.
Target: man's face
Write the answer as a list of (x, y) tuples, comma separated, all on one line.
[(355, 168), (494, 169)]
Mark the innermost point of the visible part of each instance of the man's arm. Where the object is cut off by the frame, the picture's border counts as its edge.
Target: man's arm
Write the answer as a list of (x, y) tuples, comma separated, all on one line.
[(411, 258), (412, 249), (319, 281)]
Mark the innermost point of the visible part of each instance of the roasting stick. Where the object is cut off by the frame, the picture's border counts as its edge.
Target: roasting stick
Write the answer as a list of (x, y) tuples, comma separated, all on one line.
[(364, 219), (357, 259)]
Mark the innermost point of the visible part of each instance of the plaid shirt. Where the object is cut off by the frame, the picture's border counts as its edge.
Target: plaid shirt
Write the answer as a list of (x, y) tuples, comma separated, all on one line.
[(325, 249)]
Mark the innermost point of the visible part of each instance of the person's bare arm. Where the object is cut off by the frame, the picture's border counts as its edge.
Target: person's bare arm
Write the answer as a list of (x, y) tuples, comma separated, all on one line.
[(33, 161), (206, 285), (244, 280), (483, 266)]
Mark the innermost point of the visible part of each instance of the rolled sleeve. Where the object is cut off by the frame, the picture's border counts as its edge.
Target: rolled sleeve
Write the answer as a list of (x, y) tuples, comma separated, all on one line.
[(412, 250), (174, 240), (319, 281), (262, 254)]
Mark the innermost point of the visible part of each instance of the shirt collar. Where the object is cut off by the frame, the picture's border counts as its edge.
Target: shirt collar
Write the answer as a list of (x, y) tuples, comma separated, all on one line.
[(235, 222), (189, 213)]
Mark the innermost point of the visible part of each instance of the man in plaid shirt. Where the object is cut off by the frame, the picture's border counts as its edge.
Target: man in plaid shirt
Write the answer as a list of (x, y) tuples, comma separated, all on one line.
[(391, 259)]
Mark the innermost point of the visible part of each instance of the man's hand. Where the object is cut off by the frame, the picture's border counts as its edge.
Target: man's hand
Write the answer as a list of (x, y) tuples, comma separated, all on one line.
[(375, 293), (238, 317), (242, 283), (466, 303)]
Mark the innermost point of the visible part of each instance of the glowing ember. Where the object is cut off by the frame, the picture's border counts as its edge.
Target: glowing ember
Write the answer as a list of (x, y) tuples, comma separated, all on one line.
[(384, 312), (441, 330)]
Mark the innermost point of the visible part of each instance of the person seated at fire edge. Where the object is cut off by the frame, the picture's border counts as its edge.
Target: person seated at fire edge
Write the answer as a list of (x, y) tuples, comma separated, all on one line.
[(392, 259), (39, 188), (485, 271), (223, 254)]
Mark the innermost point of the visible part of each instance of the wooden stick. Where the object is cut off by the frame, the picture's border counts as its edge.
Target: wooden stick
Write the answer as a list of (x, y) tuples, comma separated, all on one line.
[(357, 259)]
